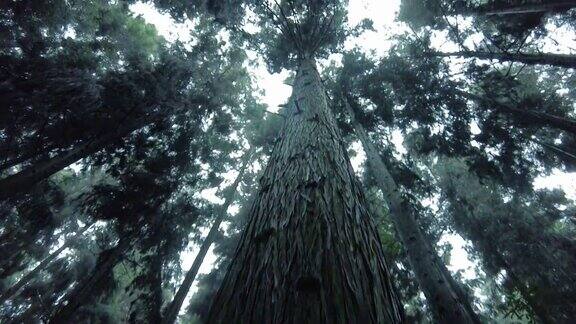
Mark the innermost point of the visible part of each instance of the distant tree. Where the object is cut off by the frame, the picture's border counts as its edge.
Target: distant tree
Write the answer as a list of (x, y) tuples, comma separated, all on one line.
[(560, 60), (447, 300), (525, 237), (174, 307)]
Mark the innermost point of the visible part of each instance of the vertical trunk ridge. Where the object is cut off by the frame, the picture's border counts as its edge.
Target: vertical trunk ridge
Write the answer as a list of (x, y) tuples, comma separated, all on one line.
[(310, 252)]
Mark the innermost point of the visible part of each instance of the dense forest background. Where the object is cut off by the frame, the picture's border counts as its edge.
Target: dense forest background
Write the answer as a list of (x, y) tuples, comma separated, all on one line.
[(319, 160)]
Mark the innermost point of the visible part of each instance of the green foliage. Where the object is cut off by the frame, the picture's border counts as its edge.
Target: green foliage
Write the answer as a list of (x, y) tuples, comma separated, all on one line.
[(296, 29), (514, 234), (73, 72)]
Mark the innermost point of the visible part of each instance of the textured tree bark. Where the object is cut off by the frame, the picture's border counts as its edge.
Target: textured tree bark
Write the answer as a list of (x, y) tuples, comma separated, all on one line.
[(446, 299), (310, 252), (25, 179), (174, 308), (560, 60), (565, 124), (27, 277), (84, 290)]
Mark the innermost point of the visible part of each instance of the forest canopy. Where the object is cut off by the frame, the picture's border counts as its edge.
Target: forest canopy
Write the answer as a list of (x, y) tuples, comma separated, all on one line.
[(288, 161)]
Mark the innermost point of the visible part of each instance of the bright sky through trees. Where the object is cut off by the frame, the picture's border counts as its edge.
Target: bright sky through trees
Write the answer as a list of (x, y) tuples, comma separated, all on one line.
[(383, 13), (377, 42)]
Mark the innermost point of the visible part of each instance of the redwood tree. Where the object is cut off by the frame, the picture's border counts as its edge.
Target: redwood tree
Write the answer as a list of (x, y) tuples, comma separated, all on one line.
[(310, 252)]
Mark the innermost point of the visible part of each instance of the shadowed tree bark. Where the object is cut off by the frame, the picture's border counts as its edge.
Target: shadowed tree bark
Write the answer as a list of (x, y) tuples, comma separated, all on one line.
[(310, 252)]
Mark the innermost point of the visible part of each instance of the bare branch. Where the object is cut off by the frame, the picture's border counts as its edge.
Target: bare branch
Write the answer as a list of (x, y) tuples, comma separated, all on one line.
[(323, 34), (290, 28), (273, 113)]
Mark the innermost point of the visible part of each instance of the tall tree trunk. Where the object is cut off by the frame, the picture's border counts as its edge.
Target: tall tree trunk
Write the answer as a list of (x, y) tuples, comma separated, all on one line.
[(41, 266), (310, 252), (560, 60), (25, 179), (174, 308), (445, 297), (565, 124), (80, 294)]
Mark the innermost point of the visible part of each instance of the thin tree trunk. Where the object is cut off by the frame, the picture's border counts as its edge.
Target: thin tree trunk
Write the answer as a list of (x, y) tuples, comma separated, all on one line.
[(457, 287), (26, 278), (174, 308), (30, 316), (554, 148), (531, 8), (565, 124), (147, 286), (560, 60), (25, 179), (310, 252), (81, 293), (17, 160), (517, 9), (31, 151), (445, 298), (478, 238)]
